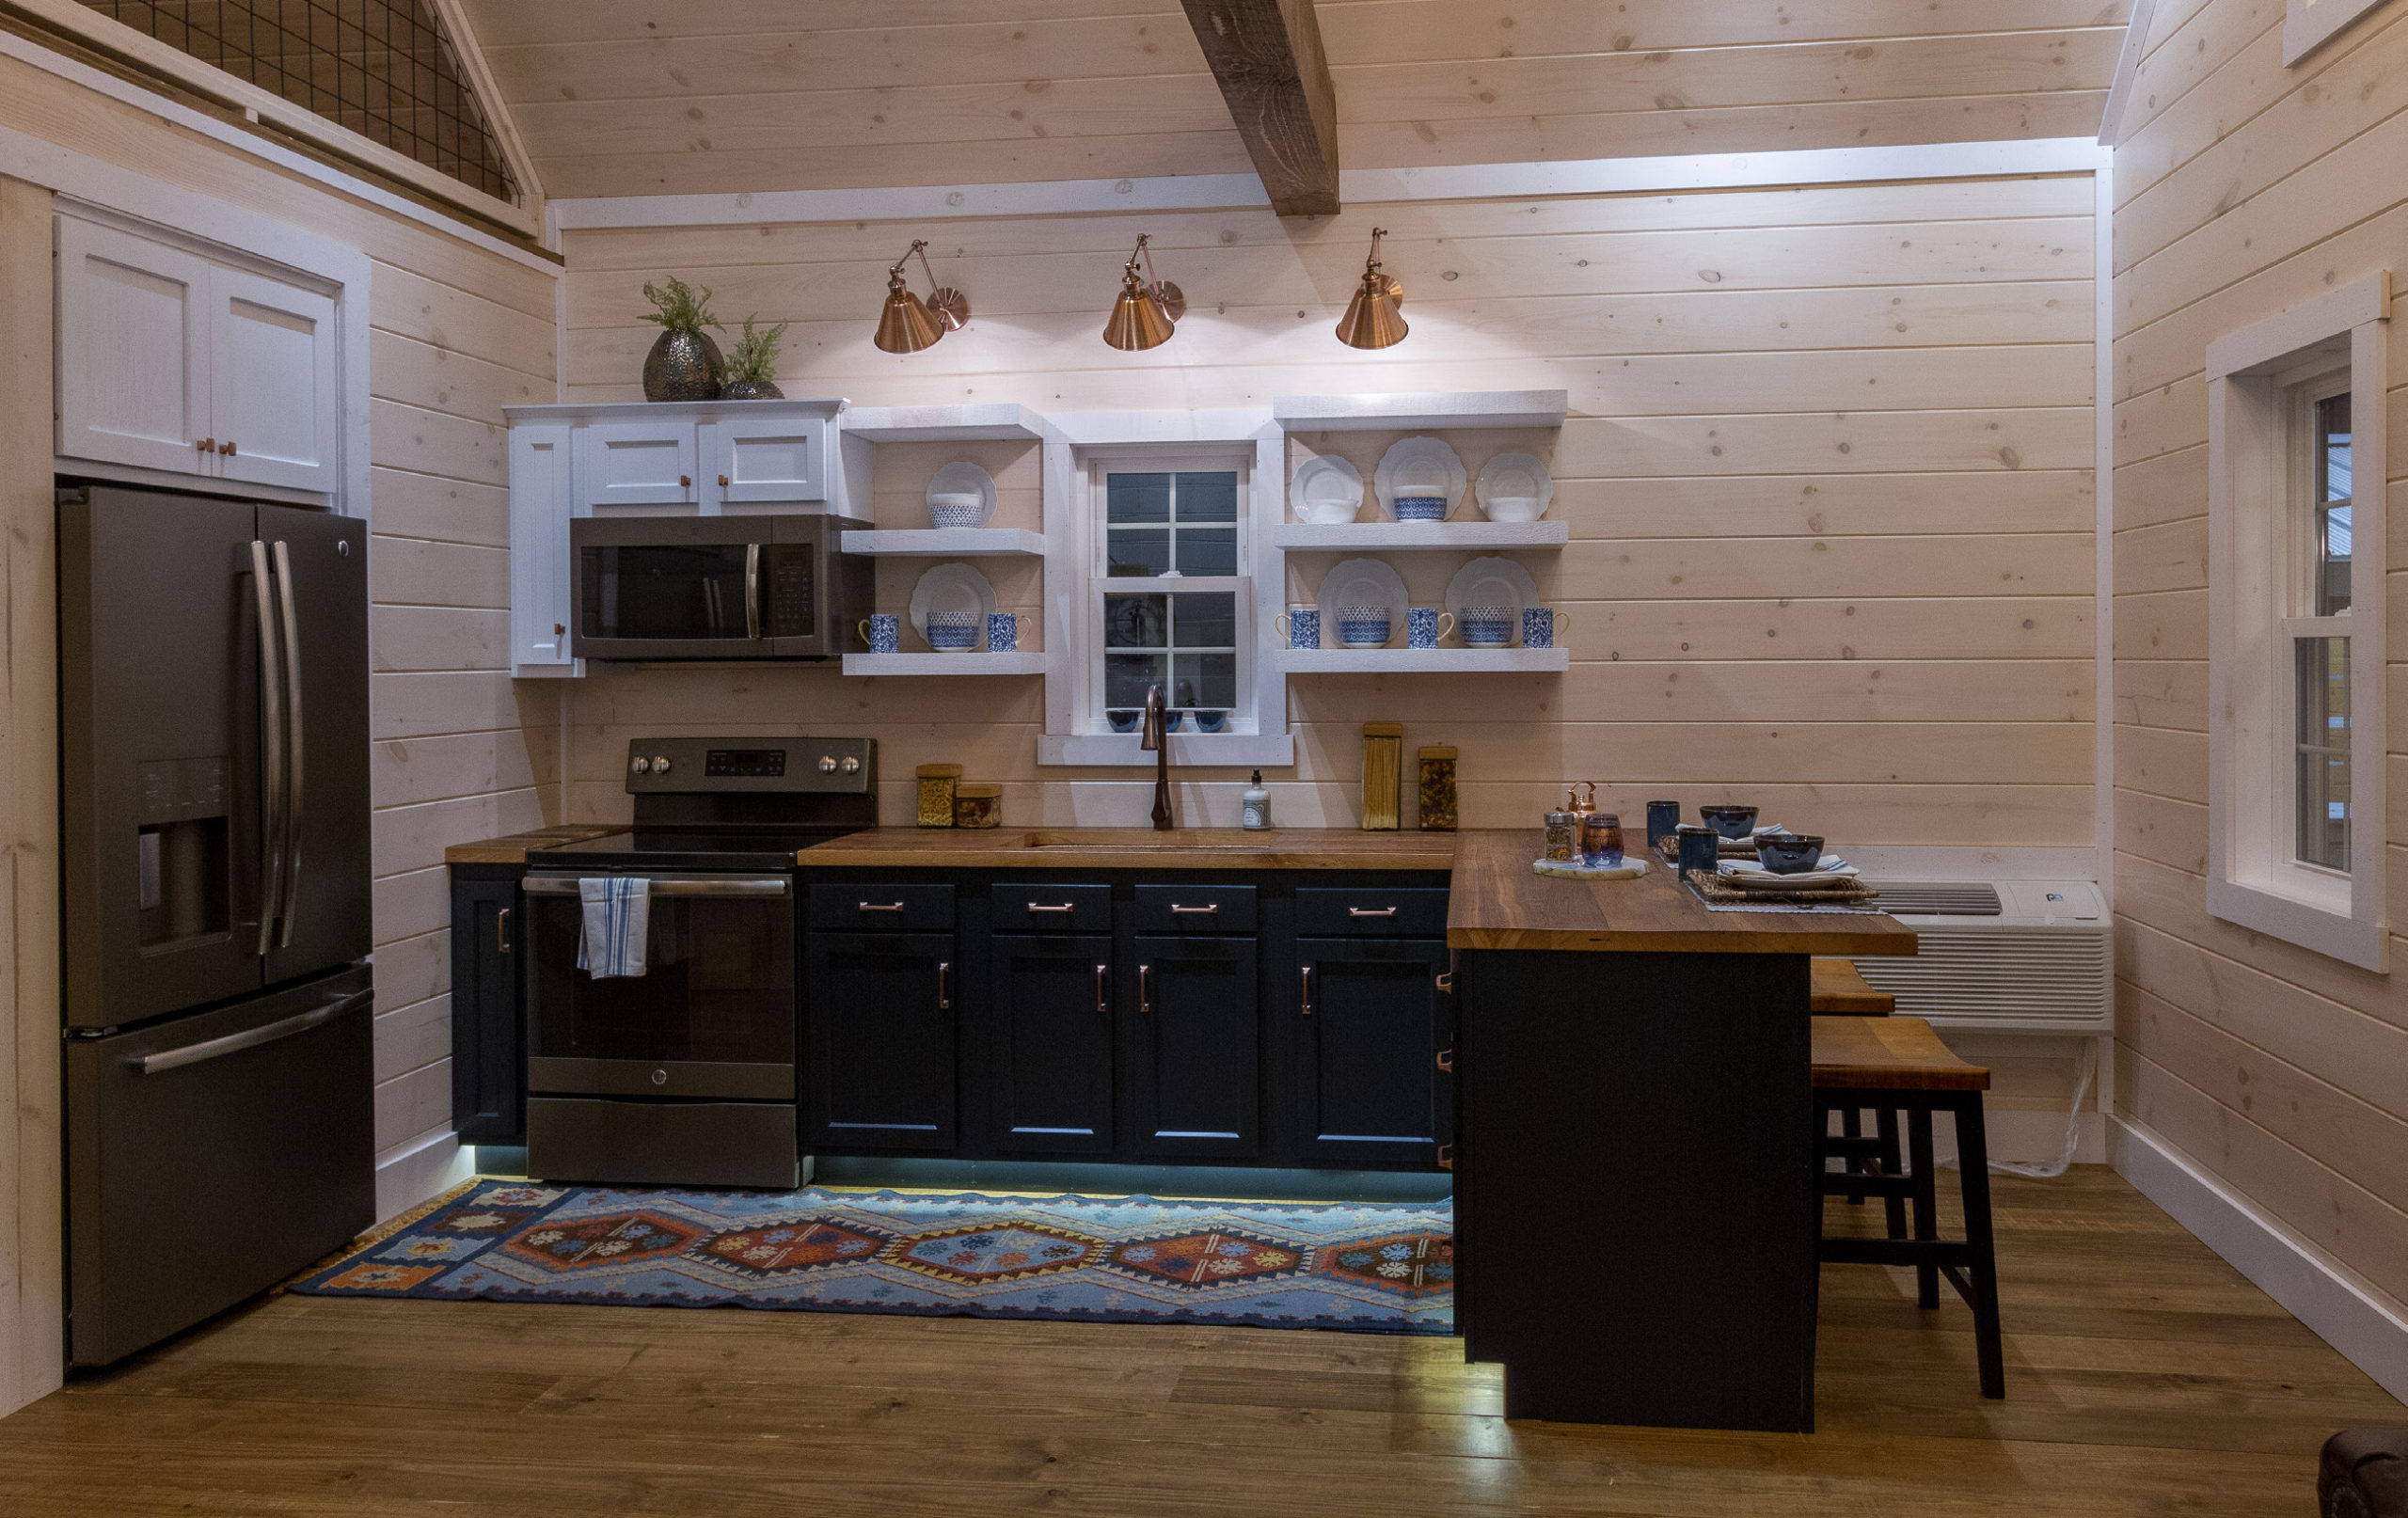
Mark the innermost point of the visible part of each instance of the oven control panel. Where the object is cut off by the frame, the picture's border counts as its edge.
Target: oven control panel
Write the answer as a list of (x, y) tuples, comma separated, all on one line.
[(842, 766)]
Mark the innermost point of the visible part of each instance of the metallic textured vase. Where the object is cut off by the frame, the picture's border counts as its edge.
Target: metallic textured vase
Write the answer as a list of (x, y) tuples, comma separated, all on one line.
[(683, 365), (751, 390)]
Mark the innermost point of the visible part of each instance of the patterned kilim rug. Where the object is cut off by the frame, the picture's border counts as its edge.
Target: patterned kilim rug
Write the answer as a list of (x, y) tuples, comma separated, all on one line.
[(1368, 1268)]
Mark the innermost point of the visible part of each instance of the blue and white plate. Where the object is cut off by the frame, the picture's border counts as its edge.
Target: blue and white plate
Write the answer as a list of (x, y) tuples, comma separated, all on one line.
[(1419, 466), (957, 589), (1360, 583), (1491, 582)]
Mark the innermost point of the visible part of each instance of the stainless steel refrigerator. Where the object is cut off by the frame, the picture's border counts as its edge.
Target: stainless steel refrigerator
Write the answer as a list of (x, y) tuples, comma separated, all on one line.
[(214, 753)]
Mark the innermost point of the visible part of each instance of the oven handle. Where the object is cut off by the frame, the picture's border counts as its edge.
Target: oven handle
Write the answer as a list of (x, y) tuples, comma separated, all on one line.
[(688, 885)]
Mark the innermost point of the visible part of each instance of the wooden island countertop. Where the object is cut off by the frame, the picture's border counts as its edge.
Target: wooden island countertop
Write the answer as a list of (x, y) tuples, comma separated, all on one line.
[(1133, 848), (1497, 902)]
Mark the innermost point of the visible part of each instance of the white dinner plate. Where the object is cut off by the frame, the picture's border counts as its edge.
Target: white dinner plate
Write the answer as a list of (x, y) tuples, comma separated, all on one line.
[(1492, 582), (1418, 466), (1361, 582), (1514, 475), (1326, 490), (960, 478), (952, 587)]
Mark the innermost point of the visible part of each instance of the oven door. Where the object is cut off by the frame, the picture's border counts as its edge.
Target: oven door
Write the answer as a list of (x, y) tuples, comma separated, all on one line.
[(712, 1016)]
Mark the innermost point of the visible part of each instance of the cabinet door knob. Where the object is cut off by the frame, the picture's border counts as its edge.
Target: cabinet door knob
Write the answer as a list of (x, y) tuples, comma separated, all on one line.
[(227, 447), (686, 481), (558, 627), (207, 444), (723, 481)]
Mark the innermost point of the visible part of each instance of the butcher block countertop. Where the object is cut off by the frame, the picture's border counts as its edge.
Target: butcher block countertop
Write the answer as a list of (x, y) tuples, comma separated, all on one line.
[(1496, 902), (1134, 848), (513, 848)]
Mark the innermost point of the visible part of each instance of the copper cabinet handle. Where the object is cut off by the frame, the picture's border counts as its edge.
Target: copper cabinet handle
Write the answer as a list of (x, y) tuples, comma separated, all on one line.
[(1370, 912), (1447, 982), (945, 984), (1066, 907), (1445, 1156), (502, 931), (1304, 976), (1447, 1060), (882, 907), (1178, 911), (1145, 991), (1101, 1005)]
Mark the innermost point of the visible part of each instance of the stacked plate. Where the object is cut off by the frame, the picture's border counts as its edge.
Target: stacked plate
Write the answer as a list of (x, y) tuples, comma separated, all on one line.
[(1830, 870)]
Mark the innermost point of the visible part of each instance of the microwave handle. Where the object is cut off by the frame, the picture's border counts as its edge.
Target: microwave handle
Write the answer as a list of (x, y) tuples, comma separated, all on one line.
[(753, 591)]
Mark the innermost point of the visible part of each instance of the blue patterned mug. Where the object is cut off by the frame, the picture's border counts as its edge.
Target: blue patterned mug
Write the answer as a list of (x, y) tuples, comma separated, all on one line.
[(1301, 626), (1424, 626), (1002, 632), (883, 632), (1539, 624)]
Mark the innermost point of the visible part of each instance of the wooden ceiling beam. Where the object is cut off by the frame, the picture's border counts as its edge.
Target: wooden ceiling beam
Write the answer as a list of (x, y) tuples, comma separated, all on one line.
[(1266, 55)]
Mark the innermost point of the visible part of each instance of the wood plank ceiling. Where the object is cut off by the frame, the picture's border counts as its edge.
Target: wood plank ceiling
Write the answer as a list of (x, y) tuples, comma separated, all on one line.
[(646, 97)]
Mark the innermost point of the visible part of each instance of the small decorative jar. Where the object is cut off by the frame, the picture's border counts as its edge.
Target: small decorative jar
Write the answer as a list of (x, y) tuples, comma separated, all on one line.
[(977, 806), (1600, 839), (1562, 836), (937, 786), (1438, 788)]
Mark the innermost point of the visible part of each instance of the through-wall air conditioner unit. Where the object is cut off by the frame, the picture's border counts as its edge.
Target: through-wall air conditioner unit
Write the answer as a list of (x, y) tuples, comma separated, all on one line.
[(2011, 956)]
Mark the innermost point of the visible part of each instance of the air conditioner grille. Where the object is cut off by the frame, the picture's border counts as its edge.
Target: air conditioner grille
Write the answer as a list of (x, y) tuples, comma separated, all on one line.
[(2041, 978), (1939, 899)]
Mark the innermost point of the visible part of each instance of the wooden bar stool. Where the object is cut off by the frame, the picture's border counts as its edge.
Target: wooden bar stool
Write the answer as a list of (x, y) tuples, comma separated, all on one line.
[(1900, 1064), (1839, 988)]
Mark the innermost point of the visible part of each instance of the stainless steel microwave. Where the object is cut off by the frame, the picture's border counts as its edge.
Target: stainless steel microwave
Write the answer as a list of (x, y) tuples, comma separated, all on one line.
[(716, 586)]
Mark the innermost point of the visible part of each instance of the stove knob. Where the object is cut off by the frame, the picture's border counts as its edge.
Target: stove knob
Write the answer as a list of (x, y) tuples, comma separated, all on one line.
[(851, 765), (640, 764), (827, 764), (661, 764), (660, 1076)]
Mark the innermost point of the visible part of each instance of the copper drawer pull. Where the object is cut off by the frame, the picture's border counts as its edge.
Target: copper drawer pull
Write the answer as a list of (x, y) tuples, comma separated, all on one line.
[(875, 906), (1195, 912), (1370, 912)]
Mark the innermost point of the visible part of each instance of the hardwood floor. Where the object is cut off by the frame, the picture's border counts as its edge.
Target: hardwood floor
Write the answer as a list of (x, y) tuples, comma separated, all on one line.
[(2143, 1376)]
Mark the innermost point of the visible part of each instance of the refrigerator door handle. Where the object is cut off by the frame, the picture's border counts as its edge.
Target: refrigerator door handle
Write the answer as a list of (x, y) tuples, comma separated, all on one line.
[(294, 813), (272, 832), (234, 1043)]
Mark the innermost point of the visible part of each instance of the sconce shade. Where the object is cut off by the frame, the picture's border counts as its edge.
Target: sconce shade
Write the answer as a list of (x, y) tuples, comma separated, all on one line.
[(905, 324), (1136, 321), (1372, 319)]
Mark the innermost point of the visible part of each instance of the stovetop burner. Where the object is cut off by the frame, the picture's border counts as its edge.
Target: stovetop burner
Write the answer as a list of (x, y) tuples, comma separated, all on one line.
[(730, 804)]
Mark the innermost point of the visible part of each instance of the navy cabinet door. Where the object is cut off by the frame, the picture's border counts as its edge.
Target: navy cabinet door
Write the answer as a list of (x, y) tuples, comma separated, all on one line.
[(1371, 1021), (488, 1035), (878, 1025), (1193, 1048), (1050, 1042)]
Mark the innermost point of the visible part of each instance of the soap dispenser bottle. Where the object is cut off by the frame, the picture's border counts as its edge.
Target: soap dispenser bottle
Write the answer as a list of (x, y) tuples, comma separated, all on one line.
[(1257, 804)]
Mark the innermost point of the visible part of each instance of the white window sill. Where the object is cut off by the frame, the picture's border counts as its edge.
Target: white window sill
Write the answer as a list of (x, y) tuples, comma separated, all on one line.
[(1120, 750), (2335, 934)]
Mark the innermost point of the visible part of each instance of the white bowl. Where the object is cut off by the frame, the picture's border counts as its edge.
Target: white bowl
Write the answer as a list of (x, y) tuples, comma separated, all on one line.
[(1513, 508)]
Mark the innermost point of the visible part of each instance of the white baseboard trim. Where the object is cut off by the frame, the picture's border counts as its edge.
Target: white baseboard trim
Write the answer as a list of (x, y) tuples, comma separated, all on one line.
[(409, 1172), (2367, 1327)]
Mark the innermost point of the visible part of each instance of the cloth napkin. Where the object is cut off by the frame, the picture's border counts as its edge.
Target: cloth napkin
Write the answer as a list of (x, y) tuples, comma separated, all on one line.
[(617, 908)]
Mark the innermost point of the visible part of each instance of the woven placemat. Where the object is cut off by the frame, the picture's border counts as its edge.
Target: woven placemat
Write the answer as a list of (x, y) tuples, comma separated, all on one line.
[(1711, 889)]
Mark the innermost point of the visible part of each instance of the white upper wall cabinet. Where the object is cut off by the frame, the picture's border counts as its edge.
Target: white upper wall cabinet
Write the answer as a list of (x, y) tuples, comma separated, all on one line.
[(175, 363), (133, 367), (784, 459), (637, 464)]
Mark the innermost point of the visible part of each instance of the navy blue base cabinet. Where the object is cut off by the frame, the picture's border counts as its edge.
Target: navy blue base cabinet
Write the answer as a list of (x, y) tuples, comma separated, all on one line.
[(488, 1027)]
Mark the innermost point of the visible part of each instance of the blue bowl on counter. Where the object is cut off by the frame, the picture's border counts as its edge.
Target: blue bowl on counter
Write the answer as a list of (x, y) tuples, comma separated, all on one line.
[(1730, 821), (1420, 507), (1211, 720), (1123, 719), (1789, 853)]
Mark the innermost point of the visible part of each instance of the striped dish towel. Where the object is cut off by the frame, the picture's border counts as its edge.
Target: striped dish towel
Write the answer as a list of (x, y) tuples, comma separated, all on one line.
[(617, 909)]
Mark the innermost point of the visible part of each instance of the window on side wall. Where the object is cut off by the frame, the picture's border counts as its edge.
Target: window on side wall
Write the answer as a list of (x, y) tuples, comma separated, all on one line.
[(2296, 785)]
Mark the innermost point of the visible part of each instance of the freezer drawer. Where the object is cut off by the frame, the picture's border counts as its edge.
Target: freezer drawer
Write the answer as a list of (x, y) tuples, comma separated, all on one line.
[(211, 1156)]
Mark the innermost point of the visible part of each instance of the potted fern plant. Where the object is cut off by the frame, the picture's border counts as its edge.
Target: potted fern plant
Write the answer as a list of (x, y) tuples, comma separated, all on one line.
[(685, 364), (752, 371)]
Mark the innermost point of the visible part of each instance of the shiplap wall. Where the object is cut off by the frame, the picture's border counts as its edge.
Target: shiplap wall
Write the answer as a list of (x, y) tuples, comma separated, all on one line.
[(623, 97), (459, 755), (1828, 474), (2244, 187)]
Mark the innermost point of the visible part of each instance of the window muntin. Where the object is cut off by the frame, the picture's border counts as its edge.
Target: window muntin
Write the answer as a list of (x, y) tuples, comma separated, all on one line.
[(2329, 496), (2318, 629), (2320, 815), (1170, 523), (1168, 604)]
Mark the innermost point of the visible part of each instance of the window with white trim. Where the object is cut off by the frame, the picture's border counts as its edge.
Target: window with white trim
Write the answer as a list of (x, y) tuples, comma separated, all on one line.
[(2295, 695), (1170, 600)]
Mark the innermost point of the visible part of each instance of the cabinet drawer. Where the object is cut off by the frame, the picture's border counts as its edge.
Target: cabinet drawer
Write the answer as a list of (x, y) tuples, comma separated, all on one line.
[(881, 908), (1047, 908), (1213, 909), (1412, 911)]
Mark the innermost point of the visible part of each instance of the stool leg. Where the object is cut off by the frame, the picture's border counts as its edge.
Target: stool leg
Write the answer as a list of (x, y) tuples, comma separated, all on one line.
[(1974, 1171), (1886, 1121), (1927, 1199), (1852, 1126)]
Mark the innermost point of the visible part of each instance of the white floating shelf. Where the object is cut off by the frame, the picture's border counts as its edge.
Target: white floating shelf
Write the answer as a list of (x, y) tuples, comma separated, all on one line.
[(939, 424), (1443, 408), (1422, 660), (944, 664), (1346, 537), (945, 542)]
